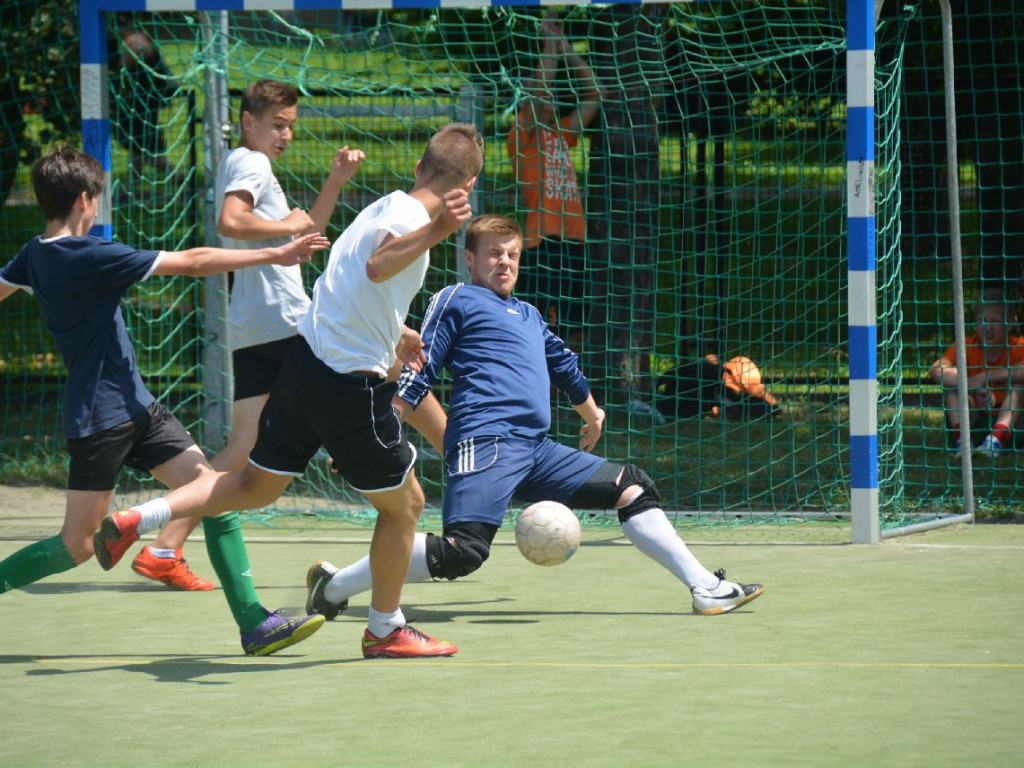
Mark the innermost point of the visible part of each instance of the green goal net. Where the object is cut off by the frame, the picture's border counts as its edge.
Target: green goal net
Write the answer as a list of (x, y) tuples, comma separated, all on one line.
[(713, 180)]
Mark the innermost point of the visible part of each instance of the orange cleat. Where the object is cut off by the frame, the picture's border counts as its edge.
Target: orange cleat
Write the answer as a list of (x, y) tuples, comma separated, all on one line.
[(117, 532), (405, 643), (172, 571)]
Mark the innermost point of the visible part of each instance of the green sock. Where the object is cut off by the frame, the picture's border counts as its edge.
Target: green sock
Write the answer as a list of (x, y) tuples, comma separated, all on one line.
[(230, 560), (34, 562)]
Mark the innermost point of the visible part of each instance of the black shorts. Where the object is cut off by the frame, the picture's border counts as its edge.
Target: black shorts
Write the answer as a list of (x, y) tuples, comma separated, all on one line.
[(256, 367), (349, 414), (554, 279), (145, 442)]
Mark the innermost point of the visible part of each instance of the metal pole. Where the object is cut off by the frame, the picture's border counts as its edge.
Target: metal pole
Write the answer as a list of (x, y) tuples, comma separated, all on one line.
[(957, 257), (861, 294), (217, 371)]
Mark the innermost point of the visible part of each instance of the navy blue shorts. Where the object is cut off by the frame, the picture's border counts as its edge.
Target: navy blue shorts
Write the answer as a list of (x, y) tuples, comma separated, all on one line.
[(349, 414), (143, 443), (486, 473)]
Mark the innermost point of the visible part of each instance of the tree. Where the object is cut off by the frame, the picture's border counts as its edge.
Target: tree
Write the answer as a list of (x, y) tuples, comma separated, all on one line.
[(38, 72)]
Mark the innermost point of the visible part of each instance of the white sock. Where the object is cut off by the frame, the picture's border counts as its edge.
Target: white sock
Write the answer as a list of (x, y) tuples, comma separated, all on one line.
[(357, 578), (653, 534), (167, 554), (155, 513), (383, 624)]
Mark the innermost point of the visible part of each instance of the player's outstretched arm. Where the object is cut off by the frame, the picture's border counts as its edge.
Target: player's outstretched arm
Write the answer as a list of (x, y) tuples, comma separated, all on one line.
[(343, 167), (6, 290), (200, 262), (397, 253)]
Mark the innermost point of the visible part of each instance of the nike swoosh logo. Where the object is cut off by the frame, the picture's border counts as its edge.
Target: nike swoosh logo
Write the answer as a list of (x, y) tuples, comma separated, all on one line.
[(246, 572), (735, 593), (511, 311)]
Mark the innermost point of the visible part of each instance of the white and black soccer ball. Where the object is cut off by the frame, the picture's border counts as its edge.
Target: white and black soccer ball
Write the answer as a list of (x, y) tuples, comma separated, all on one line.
[(548, 533)]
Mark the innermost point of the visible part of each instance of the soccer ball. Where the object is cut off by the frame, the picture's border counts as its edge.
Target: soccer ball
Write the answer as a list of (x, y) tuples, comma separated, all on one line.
[(548, 533)]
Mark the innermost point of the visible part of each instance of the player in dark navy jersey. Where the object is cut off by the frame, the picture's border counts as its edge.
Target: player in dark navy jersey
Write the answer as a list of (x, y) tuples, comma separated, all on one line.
[(502, 359), (110, 420)]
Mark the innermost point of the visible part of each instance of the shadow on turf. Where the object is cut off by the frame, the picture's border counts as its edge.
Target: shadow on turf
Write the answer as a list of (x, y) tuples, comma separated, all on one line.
[(67, 588), (463, 611), (182, 668)]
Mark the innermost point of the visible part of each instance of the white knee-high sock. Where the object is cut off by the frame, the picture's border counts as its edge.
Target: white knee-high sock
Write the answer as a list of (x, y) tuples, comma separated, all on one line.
[(357, 578), (653, 534)]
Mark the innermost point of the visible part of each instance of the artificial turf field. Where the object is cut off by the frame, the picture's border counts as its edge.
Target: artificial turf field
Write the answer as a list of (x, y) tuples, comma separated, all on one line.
[(910, 653)]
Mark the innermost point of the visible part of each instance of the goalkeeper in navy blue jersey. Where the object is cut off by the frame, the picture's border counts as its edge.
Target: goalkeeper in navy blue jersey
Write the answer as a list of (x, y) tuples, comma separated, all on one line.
[(503, 359)]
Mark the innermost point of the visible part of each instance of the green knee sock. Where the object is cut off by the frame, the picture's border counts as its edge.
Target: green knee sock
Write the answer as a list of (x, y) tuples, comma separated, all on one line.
[(34, 562), (230, 560)]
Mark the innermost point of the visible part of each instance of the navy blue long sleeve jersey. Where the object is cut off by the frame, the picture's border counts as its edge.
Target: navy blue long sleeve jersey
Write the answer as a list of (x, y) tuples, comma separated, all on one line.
[(502, 359)]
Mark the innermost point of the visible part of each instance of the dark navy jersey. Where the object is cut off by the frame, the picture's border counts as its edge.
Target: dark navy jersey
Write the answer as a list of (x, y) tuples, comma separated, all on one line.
[(502, 359), (79, 283)]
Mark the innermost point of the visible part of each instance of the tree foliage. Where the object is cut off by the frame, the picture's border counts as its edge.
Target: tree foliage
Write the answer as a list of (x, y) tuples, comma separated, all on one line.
[(38, 74)]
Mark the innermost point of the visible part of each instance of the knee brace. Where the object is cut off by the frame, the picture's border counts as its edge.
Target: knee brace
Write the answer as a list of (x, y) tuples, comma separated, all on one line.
[(603, 489), (460, 550)]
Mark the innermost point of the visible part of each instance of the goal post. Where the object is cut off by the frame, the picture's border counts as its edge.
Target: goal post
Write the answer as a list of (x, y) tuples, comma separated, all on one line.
[(806, 461)]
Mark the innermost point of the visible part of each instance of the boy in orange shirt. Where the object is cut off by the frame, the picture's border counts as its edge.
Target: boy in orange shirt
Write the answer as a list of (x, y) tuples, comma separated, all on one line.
[(539, 146), (995, 377)]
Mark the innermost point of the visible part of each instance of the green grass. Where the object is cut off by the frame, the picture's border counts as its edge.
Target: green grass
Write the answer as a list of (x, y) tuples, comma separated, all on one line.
[(893, 655)]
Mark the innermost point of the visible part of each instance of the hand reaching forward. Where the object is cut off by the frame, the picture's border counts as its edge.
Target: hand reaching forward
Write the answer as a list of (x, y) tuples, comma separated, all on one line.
[(301, 249), (346, 163)]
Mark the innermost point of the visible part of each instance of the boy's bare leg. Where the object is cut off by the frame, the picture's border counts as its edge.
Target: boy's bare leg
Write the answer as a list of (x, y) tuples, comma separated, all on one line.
[(245, 423), (83, 512), (398, 511), (387, 634), (163, 559)]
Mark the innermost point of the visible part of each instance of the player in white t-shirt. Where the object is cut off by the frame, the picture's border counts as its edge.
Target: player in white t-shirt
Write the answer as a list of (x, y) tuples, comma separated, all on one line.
[(333, 391), (266, 301)]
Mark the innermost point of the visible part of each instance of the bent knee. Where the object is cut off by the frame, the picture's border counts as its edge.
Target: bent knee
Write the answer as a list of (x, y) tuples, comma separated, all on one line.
[(81, 550)]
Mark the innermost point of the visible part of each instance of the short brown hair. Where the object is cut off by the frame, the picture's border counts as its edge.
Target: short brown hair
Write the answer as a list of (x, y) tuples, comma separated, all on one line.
[(60, 176), (265, 95), (454, 155), (491, 223)]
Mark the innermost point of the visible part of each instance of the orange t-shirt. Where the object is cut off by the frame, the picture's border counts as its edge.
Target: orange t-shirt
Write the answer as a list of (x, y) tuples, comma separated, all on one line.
[(547, 178), (976, 362)]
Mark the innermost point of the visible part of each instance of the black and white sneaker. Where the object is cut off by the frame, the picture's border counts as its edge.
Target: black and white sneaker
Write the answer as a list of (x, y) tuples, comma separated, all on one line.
[(317, 578), (723, 598)]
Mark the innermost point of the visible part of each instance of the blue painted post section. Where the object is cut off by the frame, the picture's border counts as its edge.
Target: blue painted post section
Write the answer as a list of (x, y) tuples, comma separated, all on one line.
[(95, 102), (860, 191)]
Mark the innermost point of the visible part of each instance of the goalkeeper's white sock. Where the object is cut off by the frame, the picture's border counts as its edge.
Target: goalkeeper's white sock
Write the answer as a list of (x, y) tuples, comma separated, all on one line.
[(357, 578), (154, 513), (653, 534)]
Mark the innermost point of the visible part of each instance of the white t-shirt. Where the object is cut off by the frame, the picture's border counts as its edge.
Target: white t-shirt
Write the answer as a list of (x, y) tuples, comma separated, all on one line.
[(267, 301), (354, 323)]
